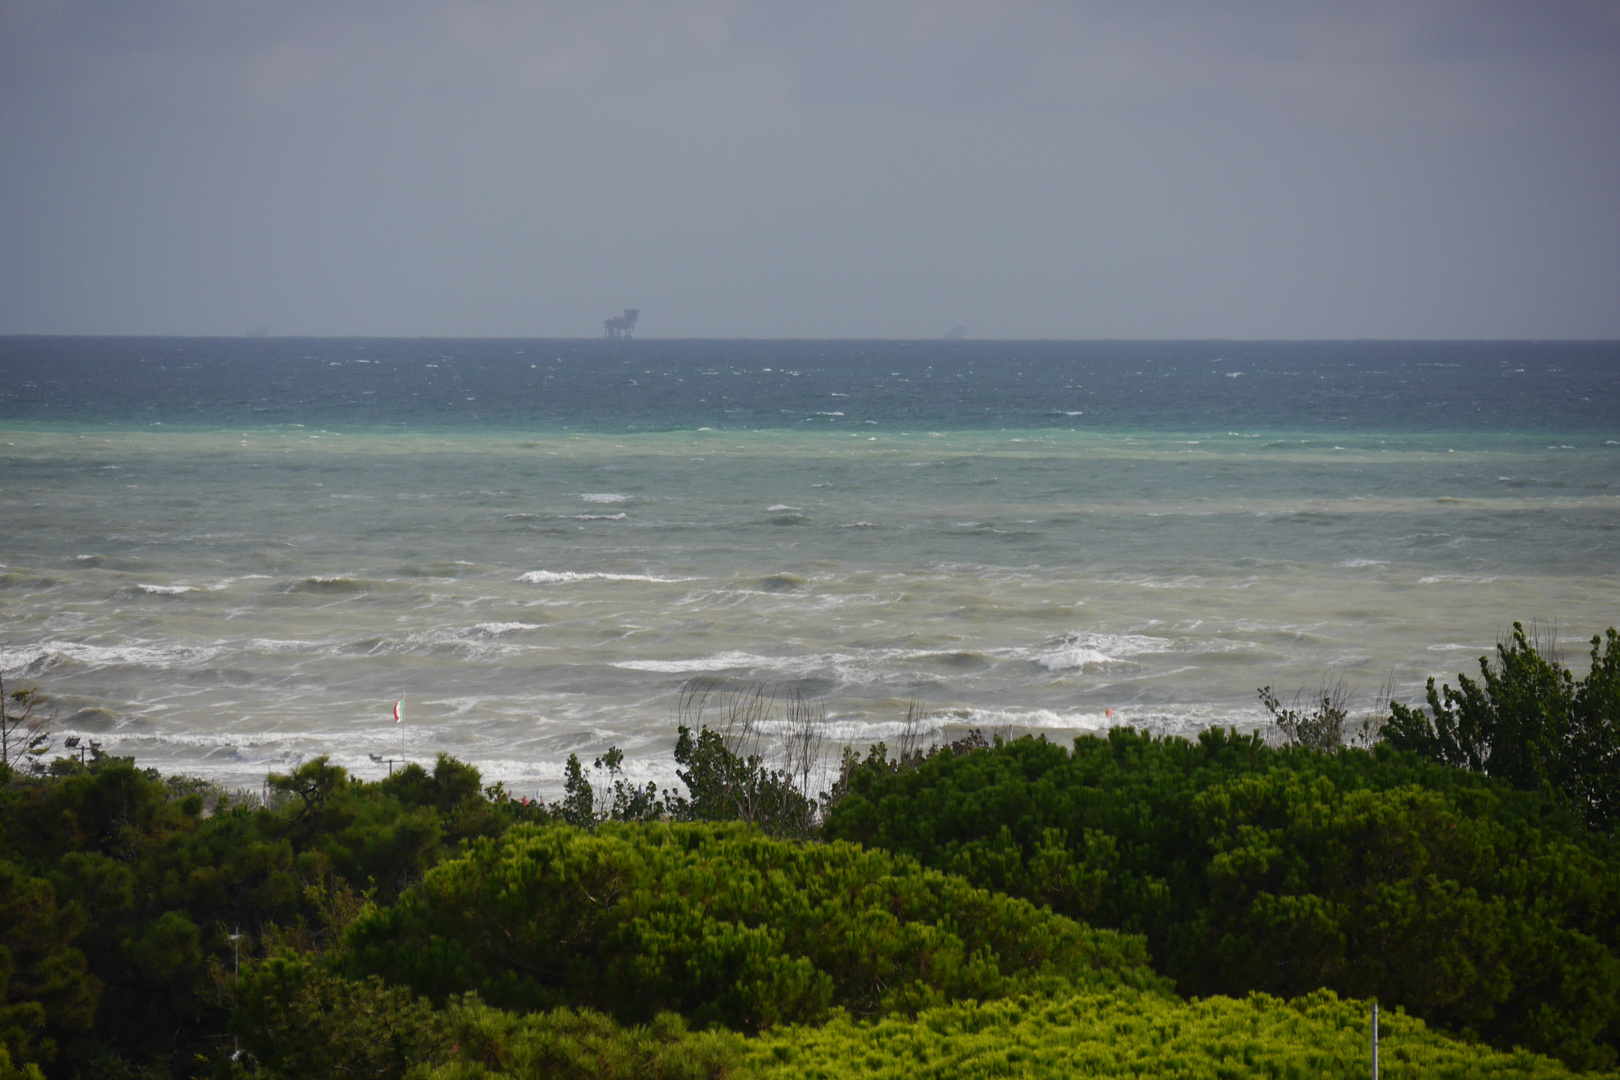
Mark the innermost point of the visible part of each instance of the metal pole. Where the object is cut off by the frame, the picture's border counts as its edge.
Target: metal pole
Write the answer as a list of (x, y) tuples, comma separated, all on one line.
[(236, 945), (1375, 1041)]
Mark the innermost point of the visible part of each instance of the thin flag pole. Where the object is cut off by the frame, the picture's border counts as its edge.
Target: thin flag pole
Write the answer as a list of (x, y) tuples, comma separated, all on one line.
[(399, 720), (1375, 1041)]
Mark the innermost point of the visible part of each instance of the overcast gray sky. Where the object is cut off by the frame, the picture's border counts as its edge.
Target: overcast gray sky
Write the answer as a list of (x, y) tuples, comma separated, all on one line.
[(1418, 168)]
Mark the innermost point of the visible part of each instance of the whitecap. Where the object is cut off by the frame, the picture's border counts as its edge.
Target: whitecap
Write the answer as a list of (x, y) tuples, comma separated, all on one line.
[(1170, 719), (781, 508), (601, 517), (283, 645), (605, 497), (1100, 650), (1355, 564), (724, 661), (551, 577), (166, 590), (158, 656), (495, 628), (1070, 659)]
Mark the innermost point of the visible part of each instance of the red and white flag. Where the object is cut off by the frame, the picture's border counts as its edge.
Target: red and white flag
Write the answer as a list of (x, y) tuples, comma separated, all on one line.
[(397, 704)]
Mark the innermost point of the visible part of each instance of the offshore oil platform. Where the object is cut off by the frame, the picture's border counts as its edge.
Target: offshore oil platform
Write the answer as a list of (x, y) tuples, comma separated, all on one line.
[(619, 326)]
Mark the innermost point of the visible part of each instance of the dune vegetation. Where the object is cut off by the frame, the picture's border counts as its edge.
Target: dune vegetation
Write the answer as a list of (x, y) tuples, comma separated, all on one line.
[(1128, 905)]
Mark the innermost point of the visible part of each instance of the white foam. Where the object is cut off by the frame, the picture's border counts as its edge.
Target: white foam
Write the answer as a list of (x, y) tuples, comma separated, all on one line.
[(724, 661), (1169, 719), (1069, 659), (779, 507), (140, 655), (601, 517), (605, 497), (554, 577), (1354, 564), (166, 590), (282, 645), (493, 628), (1101, 650)]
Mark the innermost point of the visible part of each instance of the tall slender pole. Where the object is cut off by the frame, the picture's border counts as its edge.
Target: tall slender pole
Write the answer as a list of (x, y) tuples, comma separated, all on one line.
[(1375, 1041), (236, 944)]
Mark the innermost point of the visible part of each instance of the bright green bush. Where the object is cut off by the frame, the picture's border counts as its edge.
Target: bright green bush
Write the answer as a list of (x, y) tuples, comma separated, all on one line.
[(570, 1044), (299, 1020), (1136, 1035), (1249, 868), (718, 923)]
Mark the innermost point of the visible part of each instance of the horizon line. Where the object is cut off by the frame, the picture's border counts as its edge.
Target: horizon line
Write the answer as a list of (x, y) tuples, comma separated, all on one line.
[(937, 340)]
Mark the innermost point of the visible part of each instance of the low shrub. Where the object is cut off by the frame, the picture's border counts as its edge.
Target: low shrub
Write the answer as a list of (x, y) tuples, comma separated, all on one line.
[(1480, 908), (720, 923), (1316, 1037)]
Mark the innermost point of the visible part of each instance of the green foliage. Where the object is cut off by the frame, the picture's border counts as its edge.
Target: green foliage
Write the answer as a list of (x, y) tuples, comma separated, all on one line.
[(9, 1070), (25, 734), (719, 923), (569, 1044), (1284, 870), (727, 785), (1136, 1035), (298, 1020), (148, 887), (724, 764), (1530, 722), (579, 798), (306, 1022), (369, 913), (1320, 725), (44, 987), (620, 800)]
